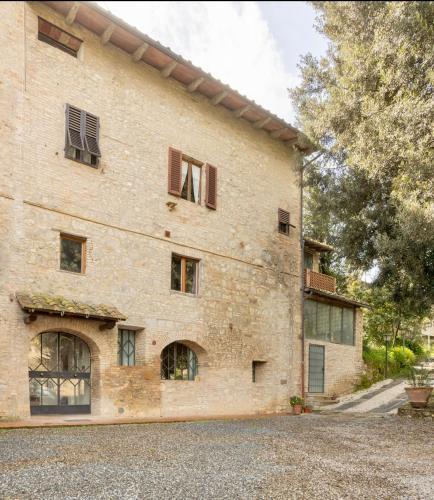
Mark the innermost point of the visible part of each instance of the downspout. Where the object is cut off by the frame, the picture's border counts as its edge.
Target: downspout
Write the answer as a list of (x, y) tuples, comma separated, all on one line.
[(303, 389)]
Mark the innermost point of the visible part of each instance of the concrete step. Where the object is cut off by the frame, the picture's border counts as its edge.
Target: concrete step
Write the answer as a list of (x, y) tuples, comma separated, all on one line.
[(319, 400)]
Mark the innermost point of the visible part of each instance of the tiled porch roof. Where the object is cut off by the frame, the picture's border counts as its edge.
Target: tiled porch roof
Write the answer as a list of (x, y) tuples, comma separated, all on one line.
[(311, 293), (56, 304)]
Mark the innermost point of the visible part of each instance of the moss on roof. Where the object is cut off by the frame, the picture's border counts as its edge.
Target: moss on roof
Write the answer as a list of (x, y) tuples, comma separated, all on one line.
[(57, 304)]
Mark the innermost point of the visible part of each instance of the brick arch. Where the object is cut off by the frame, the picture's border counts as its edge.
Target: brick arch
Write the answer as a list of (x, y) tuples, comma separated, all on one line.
[(201, 353), (93, 346), (85, 331)]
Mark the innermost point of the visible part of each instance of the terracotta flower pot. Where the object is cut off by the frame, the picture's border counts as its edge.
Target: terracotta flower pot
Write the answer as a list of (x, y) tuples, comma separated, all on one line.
[(418, 396), (296, 409), (307, 409)]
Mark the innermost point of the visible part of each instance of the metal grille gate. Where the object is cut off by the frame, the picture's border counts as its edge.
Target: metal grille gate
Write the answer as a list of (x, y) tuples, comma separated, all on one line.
[(316, 368)]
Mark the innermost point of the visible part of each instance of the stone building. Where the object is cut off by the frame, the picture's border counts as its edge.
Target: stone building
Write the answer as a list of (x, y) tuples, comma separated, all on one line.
[(150, 223), (333, 327)]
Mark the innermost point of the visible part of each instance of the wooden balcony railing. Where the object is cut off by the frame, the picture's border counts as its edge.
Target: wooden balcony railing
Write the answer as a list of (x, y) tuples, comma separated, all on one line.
[(319, 281)]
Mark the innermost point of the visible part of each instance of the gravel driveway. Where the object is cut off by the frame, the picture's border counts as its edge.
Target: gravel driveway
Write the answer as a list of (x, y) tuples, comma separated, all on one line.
[(312, 456)]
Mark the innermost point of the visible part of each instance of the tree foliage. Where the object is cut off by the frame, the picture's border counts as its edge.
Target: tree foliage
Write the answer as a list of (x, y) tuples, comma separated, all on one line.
[(369, 105)]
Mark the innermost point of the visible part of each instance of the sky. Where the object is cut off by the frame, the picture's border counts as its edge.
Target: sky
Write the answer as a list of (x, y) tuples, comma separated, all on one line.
[(254, 47)]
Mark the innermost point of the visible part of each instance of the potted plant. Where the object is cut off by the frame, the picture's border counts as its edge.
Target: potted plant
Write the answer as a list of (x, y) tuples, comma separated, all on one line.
[(307, 409), (420, 389), (297, 404)]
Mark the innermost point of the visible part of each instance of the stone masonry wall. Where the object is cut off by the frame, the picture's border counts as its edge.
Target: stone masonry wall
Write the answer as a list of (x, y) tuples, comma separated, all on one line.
[(248, 306), (343, 363)]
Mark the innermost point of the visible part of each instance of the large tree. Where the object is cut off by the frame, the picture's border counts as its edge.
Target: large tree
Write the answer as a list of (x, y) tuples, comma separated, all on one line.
[(369, 105)]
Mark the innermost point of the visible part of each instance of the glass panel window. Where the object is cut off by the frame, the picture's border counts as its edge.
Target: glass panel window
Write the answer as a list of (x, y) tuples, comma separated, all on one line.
[(190, 276), (190, 181), (72, 251), (308, 260), (310, 318), (195, 181), (178, 362), (49, 352), (184, 274), (74, 391), (348, 326), (35, 353), (176, 272), (126, 347), (328, 322), (184, 181), (49, 392), (323, 321), (336, 324), (66, 353)]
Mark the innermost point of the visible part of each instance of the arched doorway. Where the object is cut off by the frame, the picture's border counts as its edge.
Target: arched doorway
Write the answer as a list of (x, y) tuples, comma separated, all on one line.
[(59, 374)]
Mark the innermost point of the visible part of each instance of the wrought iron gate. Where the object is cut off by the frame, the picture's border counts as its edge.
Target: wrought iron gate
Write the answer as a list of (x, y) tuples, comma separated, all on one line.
[(59, 374)]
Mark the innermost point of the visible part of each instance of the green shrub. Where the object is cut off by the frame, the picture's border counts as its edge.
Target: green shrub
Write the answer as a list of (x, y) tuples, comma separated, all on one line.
[(413, 345), (399, 360), (402, 357)]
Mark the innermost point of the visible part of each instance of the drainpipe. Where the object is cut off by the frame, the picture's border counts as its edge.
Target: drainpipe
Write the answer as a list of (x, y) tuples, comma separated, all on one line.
[(303, 389)]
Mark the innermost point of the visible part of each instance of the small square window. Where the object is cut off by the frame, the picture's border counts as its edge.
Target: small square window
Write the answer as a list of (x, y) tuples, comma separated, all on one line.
[(191, 180), (126, 348), (51, 34), (283, 220), (72, 253), (258, 371), (184, 274)]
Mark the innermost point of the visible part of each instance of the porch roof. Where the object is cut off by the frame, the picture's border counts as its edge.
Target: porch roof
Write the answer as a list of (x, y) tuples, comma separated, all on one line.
[(319, 246), (56, 304), (311, 293)]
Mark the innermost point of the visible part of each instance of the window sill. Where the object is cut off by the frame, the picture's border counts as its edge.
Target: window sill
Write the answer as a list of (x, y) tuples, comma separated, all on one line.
[(188, 202), (313, 340), (185, 294), (96, 167), (179, 381), (71, 272)]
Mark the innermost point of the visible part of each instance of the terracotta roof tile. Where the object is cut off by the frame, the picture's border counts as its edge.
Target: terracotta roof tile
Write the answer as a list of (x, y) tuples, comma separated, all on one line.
[(57, 304)]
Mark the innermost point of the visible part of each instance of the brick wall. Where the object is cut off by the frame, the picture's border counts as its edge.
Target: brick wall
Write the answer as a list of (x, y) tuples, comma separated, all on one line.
[(343, 363), (248, 305)]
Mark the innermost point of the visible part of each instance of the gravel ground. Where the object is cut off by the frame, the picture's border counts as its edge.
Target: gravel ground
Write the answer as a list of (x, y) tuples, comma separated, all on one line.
[(312, 456)]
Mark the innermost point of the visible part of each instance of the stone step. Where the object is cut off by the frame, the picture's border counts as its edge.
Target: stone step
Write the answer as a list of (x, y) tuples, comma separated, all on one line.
[(320, 400)]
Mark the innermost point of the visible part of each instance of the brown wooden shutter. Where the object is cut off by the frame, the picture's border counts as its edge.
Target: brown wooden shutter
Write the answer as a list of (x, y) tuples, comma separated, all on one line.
[(211, 186), (91, 134), (74, 137), (175, 171), (283, 216)]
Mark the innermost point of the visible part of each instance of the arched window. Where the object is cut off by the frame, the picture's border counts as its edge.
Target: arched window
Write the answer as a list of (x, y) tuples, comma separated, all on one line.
[(178, 362)]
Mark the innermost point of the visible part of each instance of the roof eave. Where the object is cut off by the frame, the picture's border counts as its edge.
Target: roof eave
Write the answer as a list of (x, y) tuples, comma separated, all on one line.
[(257, 116), (338, 298)]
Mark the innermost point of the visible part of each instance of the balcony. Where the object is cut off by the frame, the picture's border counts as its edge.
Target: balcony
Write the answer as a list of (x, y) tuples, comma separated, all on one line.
[(319, 281)]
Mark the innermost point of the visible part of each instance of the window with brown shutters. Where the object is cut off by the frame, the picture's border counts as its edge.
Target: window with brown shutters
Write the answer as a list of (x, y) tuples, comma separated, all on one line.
[(211, 187), (82, 136), (283, 221), (175, 171)]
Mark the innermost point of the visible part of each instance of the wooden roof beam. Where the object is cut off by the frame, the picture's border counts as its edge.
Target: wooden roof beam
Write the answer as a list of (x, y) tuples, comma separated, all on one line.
[(72, 13), (217, 99), (167, 70), (138, 53), (277, 133), (108, 32), (195, 84), (240, 112), (262, 122)]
